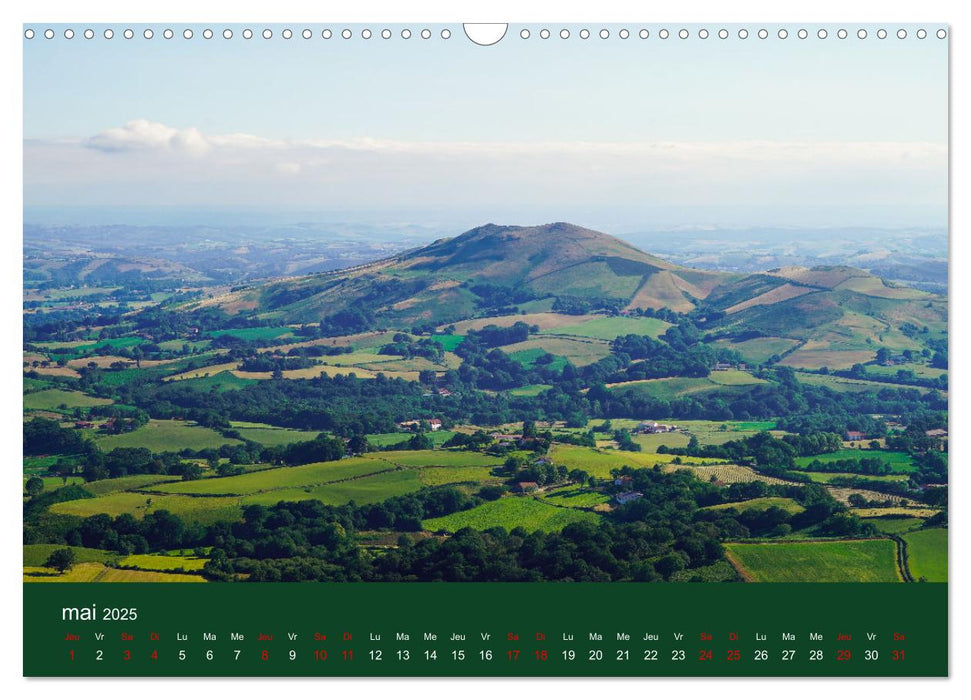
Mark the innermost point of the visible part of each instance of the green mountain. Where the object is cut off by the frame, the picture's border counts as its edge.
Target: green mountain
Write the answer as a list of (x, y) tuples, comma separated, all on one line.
[(503, 270), (457, 278)]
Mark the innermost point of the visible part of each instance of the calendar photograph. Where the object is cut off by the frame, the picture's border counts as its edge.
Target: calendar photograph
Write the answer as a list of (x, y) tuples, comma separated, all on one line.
[(560, 325)]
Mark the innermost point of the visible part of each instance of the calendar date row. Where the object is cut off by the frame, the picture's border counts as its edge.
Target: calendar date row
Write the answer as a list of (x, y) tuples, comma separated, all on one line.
[(598, 655)]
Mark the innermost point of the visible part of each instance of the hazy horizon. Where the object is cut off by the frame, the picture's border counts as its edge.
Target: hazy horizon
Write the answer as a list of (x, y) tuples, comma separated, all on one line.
[(608, 222), (607, 133)]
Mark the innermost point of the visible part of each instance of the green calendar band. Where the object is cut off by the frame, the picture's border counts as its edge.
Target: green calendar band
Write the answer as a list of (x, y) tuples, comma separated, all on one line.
[(537, 629)]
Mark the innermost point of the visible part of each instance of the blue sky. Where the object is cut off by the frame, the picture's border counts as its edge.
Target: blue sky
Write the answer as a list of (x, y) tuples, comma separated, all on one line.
[(827, 130)]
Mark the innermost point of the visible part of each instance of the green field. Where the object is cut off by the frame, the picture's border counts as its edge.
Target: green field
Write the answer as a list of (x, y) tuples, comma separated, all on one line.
[(166, 436), (786, 504), (371, 489), (47, 345), (81, 349), (271, 435), (222, 381), (598, 463), (70, 293), (735, 377), (720, 432), (593, 278), (615, 424), (161, 562), (386, 439), (435, 476), (927, 554), (900, 462), (758, 350), (845, 384), (31, 384), (438, 458), (896, 511), (412, 364), (40, 465), (280, 478), (91, 572), (864, 561), (58, 399), (55, 482), (530, 390), (575, 497), (609, 327), (176, 345), (37, 554), (725, 473), (127, 483), (922, 371), (204, 511), (448, 341), (832, 357), (511, 512), (124, 342), (676, 387), (537, 306), (579, 352), (668, 389), (528, 359), (650, 442), (121, 377), (264, 333), (895, 526), (748, 425), (359, 358), (827, 477), (437, 437)]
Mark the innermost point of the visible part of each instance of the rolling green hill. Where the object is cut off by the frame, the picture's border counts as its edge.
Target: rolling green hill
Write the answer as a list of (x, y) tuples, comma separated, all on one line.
[(831, 316), (444, 281)]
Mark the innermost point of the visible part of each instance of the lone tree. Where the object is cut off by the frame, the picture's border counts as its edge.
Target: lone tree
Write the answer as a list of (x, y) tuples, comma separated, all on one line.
[(61, 559), (34, 485)]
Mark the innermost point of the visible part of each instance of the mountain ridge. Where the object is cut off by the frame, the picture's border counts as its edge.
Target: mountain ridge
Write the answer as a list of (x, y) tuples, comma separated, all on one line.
[(499, 269)]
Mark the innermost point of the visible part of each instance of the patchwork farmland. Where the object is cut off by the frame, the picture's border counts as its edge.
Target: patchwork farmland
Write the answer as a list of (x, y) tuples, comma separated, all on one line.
[(482, 409)]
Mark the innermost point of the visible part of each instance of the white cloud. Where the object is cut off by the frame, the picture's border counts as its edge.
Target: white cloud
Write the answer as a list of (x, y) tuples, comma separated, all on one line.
[(289, 168), (152, 163), (190, 141), (143, 135), (146, 136)]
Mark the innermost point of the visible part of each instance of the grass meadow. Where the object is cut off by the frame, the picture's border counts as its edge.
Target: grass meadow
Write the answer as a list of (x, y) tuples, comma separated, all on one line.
[(854, 561), (927, 554), (371, 489), (59, 399), (511, 512), (900, 462), (786, 504), (598, 463), (166, 436), (99, 573)]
